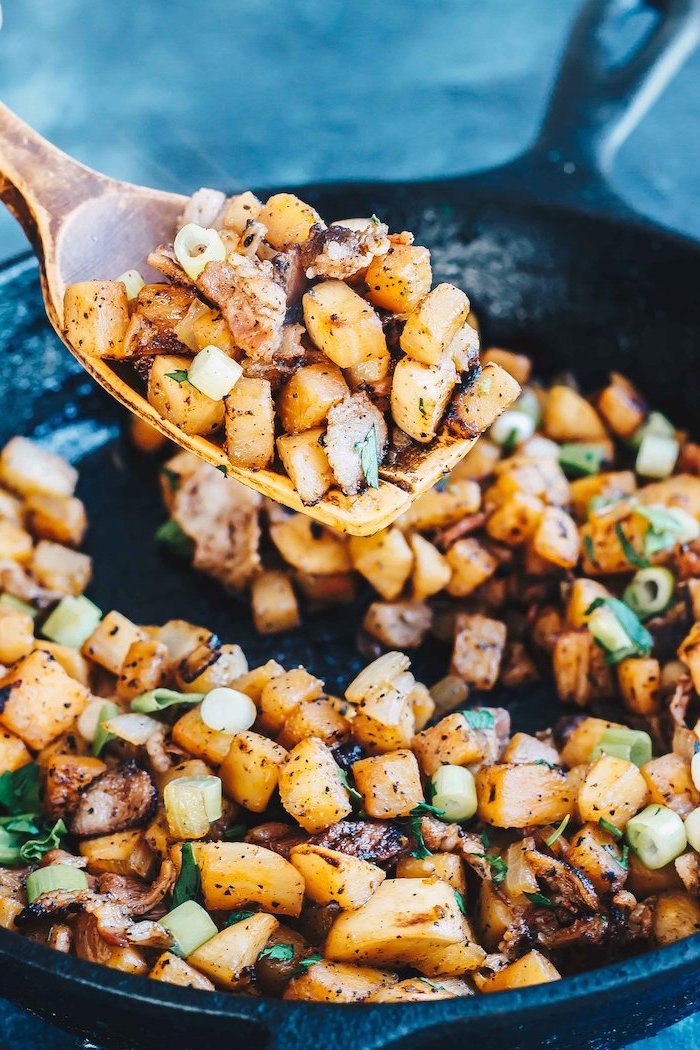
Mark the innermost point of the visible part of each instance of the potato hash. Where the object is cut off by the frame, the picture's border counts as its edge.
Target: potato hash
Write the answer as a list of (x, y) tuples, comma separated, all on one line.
[(321, 352), (171, 812)]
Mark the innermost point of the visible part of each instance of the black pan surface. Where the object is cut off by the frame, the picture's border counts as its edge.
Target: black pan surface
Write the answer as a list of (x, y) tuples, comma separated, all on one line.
[(578, 291)]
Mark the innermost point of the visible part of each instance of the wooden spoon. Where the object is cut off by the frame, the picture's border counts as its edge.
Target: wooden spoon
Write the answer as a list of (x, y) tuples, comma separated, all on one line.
[(86, 226)]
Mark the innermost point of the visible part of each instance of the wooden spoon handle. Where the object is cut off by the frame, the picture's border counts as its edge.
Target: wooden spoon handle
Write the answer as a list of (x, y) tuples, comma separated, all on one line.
[(38, 182)]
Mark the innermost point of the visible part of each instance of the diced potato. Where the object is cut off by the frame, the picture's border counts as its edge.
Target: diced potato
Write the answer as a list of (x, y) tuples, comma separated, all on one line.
[(676, 915), (398, 625), (611, 485), (612, 789), (438, 508), (431, 569), (180, 402), (670, 783), (517, 365), (13, 752), (495, 915), (124, 853), (206, 668), (250, 424), (621, 406), (16, 634), (110, 641), (417, 989), (479, 462), (283, 693), (515, 796), (239, 210), (398, 280), (250, 770), (144, 668), (602, 550), (96, 317), (228, 955), (318, 718), (304, 401), (580, 671), (191, 734), (11, 509), (310, 786), (474, 409), (532, 968), (385, 560), (274, 603), (65, 776), (447, 866), (329, 982), (61, 569), (254, 681), (306, 463), (581, 596), (171, 969), (515, 520), (647, 882), (330, 876), (689, 653), (236, 873), (59, 518), (42, 701), (401, 923), (478, 649), (583, 738), (569, 417), (451, 742), (390, 784), (471, 564), (556, 538), (595, 852), (342, 324), (288, 220), (384, 720), (340, 588), (639, 679), (9, 910), (680, 490), (454, 960), (539, 476), (434, 323), (15, 542), (145, 437), (419, 396), (306, 545), (525, 748), (26, 467)]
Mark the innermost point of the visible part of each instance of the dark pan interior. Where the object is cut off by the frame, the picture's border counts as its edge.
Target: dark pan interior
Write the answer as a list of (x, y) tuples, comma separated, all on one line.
[(577, 293)]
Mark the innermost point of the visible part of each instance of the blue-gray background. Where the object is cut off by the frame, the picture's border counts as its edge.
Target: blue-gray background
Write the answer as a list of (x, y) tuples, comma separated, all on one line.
[(270, 92)]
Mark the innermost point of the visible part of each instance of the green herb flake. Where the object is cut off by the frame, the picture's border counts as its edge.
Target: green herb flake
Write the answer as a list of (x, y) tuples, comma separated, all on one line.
[(499, 868), (424, 808), (638, 560), (373, 218), (485, 839), (479, 718), (189, 882), (610, 828), (590, 550), (544, 762), (180, 375), (421, 408), (551, 839), (19, 791), (237, 916), (539, 899), (510, 442), (352, 791), (461, 903), (223, 468), (277, 953), (625, 858), (420, 851), (368, 451), (641, 642), (235, 833), (175, 540), (304, 964)]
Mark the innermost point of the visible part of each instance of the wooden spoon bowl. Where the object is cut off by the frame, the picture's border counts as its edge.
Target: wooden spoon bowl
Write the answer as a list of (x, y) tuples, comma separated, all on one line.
[(85, 226)]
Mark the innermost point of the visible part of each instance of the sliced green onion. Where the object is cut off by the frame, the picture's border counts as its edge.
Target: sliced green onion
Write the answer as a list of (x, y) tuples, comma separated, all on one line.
[(657, 456), (529, 404), (649, 592), (657, 835), (132, 727), (454, 792), (55, 877), (133, 282), (512, 428), (633, 745), (655, 423), (228, 710), (692, 829), (173, 536), (214, 373), (72, 621), (196, 246), (191, 804), (579, 459), (11, 602), (617, 630), (551, 839), (610, 828), (668, 525), (190, 925), (159, 699), (103, 735)]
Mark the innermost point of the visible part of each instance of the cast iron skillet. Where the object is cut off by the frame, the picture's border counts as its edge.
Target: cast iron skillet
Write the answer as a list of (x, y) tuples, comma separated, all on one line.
[(557, 266)]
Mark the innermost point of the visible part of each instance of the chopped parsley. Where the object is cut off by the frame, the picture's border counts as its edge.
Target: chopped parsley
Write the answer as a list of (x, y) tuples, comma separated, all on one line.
[(551, 839), (180, 375), (461, 903), (539, 899), (175, 539), (499, 868), (368, 451), (237, 916), (304, 964), (638, 560), (589, 549), (223, 468), (352, 791), (610, 828), (544, 762), (424, 807), (625, 858), (235, 833), (19, 790), (277, 953), (421, 408), (479, 718), (189, 882), (510, 443), (420, 851)]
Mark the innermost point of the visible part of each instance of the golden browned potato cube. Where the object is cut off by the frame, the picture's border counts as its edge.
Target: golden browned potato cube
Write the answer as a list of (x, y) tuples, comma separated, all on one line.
[(110, 641), (228, 955), (205, 668), (529, 969), (515, 520), (447, 866), (452, 742), (250, 424), (495, 915), (305, 461), (343, 324), (602, 550), (70, 660), (329, 982), (434, 323), (612, 789), (11, 508), (191, 734), (580, 671), (171, 969), (416, 990), (318, 718), (96, 317), (254, 681), (288, 220), (236, 873), (385, 560), (621, 406), (61, 569), (515, 796), (16, 634), (210, 329), (421, 700), (556, 538), (581, 596), (431, 569), (478, 649), (670, 783), (525, 748), (595, 852), (398, 280), (180, 402), (26, 467), (306, 545), (471, 564), (273, 602), (398, 625), (438, 508), (419, 396), (250, 771), (384, 720), (283, 693), (479, 462), (42, 701), (583, 738), (144, 668), (330, 876), (13, 752), (646, 882), (536, 475), (9, 910), (569, 417), (124, 853), (338, 589), (304, 401), (239, 210), (59, 518), (474, 409), (147, 439), (65, 776), (611, 485), (639, 679), (15, 542), (401, 924), (676, 915), (517, 365), (454, 960), (310, 786), (390, 784), (680, 490)]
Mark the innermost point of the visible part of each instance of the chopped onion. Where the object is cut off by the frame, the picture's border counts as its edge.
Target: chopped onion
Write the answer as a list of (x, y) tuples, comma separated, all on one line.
[(191, 804), (214, 373), (633, 745), (11, 602), (102, 735), (382, 671), (89, 719), (55, 877), (649, 592), (529, 403), (72, 621), (228, 710), (519, 877), (512, 428), (454, 792), (190, 925), (692, 828), (657, 835), (657, 456), (133, 282), (132, 727), (655, 423), (196, 246)]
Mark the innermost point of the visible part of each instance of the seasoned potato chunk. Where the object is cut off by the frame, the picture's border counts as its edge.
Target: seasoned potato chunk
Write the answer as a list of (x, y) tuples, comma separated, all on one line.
[(273, 602), (416, 990), (515, 796), (288, 220), (13, 752), (676, 915), (517, 365), (471, 564), (670, 783), (515, 520), (123, 853), (305, 400), (475, 407), (621, 406), (595, 852), (60, 568), (96, 317), (385, 560), (330, 876), (569, 417), (26, 467), (16, 634), (41, 700), (305, 461), (384, 720), (431, 569), (329, 982), (398, 280), (478, 649), (556, 538), (452, 742), (65, 776), (283, 693), (227, 956), (319, 718), (236, 873), (250, 424), (434, 323), (639, 679), (583, 738), (309, 546), (343, 324), (529, 969), (390, 784), (310, 786), (145, 666), (447, 866), (398, 625), (171, 969), (180, 402), (198, 739), (111, 640), (59, 518), (419, 396), (250, 771), (612, 789)]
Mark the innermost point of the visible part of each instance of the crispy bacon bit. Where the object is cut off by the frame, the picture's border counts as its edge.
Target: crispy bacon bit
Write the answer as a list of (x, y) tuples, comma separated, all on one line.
[(251, 301), (118, 799)]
